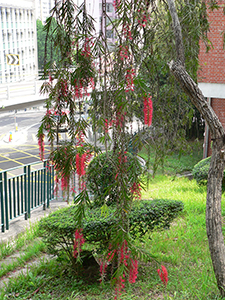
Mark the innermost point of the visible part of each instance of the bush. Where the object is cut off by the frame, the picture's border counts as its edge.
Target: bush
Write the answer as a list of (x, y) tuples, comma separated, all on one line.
[(201, 170), (101, 177), (58, 228)]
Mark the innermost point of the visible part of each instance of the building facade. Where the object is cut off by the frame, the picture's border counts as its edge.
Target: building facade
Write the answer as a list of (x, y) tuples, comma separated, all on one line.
[(18, 46), (43, 8), (211, 75)]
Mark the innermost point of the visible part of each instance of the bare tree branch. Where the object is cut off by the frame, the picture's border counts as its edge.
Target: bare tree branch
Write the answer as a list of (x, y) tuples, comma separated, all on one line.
[(177, 32)]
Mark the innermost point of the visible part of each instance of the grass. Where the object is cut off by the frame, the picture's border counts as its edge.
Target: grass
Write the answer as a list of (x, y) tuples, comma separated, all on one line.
[(31, 251), (183, 249), (22, 240), (177, 163)]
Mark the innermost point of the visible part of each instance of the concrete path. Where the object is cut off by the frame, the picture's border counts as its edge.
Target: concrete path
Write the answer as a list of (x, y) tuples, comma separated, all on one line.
[(19, 224)]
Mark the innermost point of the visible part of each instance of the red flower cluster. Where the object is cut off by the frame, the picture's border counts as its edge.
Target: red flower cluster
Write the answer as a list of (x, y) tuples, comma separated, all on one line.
[(148, 110), (122, 158), (82, 89), (78, 242), (81, 161), (145, 17), (78, 88), (56, 188), (116, 4), (41, 145), (64, 182), (80, 164), (163, 275), (64, 88), (124, 258), (87, 49), (132, 266), (126, 31), (130, 80), (80, 139), (123, 52), (136, 191), (120, 285), (133, 271), (50, 77), (120, 118)]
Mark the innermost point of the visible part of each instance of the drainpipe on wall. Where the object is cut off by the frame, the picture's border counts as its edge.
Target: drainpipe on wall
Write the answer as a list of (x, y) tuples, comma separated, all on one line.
[(207, 135)]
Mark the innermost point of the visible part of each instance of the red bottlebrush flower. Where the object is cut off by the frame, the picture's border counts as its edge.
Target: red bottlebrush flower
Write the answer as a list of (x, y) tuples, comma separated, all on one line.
[(41, 146), (64, 182), (116, 4), (78, 242), (163, 275), (123, 53), (148, 110), (136, 190), (133, 271), (103, 266), (80, 164), (50, 77), (87, 49), (56, 187), (130, 80)]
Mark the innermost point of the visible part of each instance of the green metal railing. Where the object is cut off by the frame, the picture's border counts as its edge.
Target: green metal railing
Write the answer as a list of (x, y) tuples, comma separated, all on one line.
[(23, 189)]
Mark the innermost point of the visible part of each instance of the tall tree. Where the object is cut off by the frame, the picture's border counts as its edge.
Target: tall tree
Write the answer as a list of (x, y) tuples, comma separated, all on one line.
[(149, 34), (214, 189)]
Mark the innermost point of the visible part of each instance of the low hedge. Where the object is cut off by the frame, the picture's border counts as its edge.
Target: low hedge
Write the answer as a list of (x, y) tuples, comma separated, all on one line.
[(58, 228), (201, 170)]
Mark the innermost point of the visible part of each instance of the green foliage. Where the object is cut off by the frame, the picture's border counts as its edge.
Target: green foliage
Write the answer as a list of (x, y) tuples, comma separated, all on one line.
[(201, 170), (51, 54), (101, 175), (59, 227)]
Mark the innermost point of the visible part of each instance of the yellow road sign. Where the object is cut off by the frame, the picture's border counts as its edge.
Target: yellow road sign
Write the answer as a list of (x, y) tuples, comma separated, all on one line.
[(13, 59)]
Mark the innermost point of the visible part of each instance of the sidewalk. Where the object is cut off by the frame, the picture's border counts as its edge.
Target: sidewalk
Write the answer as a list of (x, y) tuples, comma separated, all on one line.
[(13, 137), (19, 224)]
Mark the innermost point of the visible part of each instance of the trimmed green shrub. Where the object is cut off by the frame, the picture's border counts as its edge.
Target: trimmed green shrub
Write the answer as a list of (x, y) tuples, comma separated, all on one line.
[(201, 170), (101, 177), (58, 228)]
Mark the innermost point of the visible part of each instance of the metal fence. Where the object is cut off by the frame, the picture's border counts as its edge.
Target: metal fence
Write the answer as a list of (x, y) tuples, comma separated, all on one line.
[(23, 189)]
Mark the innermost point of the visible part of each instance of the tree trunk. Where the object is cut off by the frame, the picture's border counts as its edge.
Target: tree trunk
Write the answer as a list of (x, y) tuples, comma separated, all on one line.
[(213, 213), (215, 176)]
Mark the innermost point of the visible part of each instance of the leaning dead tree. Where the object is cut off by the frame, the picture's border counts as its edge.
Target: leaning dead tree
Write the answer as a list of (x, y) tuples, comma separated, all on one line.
[(215, 176)]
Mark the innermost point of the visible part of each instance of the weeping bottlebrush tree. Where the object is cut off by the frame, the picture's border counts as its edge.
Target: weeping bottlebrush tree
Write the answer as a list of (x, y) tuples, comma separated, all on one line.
[(120, 81)]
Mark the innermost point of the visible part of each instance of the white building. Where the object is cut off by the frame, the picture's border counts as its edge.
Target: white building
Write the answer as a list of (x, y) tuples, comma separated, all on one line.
[(43, 8), (18, 46)]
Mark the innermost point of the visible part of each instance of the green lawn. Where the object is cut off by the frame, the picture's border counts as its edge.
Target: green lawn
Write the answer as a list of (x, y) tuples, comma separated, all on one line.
[(177, 163), (183, 249)]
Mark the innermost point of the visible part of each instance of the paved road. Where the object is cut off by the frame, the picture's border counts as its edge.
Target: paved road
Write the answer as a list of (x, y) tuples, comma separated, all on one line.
[(23, 148)]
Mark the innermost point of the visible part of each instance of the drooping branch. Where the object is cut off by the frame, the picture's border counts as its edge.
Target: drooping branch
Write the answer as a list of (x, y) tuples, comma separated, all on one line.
[(177, 32), (197, 98)]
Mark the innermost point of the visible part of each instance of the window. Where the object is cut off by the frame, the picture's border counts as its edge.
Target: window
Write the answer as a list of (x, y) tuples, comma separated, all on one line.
[(109, 7), (109, 34), (108, 21)]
